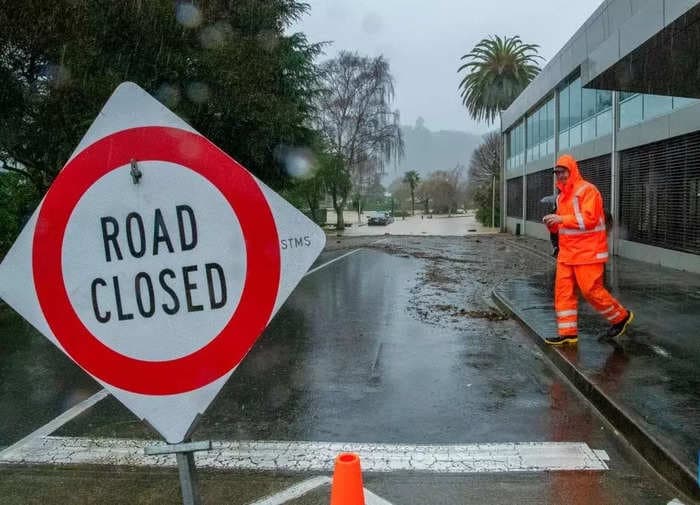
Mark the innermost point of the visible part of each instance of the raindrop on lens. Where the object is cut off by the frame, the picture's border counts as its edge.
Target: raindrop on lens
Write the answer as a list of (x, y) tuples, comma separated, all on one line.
[(198, 92), (168, 95), (188, 15)]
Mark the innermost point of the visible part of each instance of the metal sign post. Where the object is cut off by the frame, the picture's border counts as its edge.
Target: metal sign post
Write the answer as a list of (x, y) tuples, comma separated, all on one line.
[(184, 452)]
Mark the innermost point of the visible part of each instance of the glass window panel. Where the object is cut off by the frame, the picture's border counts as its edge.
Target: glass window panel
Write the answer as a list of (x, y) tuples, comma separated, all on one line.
[(603, 100), (588, 101), (575, 102), (550, 146), (604, 123), (588, 129), (631, 111), (575, 135), (564, 109), (535, 130), (656, 105), (542, 124), (564, 140), (551, 110), (624, 95), (680, 102)]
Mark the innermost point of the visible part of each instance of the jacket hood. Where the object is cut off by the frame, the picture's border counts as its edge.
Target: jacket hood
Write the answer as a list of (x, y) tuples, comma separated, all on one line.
[(568, 161)]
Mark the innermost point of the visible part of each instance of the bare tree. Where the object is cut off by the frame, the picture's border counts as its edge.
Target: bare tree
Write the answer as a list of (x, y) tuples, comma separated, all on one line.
[(354, 115), (486, 160), (442, 189), (484, 178)]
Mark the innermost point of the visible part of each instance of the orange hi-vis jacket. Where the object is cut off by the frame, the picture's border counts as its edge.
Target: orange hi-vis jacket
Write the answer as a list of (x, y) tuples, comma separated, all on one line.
[(582, 234)]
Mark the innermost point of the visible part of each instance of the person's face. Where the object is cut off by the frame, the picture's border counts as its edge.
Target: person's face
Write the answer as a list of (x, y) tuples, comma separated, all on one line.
[(562, 174)]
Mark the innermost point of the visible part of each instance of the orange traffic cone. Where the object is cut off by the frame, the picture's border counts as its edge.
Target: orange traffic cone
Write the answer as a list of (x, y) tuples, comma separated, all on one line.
[(347, 488)]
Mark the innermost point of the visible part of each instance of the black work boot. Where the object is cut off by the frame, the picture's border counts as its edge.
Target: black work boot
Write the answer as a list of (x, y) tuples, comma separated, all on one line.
[(562, 339), (618, 329)]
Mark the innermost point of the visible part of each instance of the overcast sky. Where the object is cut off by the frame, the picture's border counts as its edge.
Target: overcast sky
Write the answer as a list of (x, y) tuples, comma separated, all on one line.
[(424, 39)]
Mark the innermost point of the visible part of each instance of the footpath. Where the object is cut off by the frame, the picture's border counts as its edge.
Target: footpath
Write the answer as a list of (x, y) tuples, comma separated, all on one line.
[(648, 382)]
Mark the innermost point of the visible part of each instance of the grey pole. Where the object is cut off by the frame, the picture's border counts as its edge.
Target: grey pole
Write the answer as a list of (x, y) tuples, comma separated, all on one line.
[(493, 202), (184, 454), (188, 476)]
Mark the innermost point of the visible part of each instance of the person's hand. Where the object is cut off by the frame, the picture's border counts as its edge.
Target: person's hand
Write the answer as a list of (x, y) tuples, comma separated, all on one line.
[(552, 219)]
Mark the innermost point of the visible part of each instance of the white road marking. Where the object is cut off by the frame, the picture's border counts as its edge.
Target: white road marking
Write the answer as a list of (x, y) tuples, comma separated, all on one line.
[(602, 454), (54, 424), (300, 489), (319, 456), (294, 492), (373, 499), (675, 501), (331, 261)]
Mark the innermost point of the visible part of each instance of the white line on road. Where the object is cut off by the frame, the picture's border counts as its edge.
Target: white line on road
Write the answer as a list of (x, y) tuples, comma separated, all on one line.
[(294, 492), (331, 261), (319, 456), (300, 489), (373, 499), (54, 424)]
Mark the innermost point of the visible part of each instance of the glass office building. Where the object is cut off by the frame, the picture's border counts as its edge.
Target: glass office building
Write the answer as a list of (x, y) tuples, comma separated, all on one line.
[(635, 132)]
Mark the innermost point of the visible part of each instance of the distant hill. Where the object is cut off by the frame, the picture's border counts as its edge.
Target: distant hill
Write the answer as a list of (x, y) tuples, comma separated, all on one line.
[(428, 151)]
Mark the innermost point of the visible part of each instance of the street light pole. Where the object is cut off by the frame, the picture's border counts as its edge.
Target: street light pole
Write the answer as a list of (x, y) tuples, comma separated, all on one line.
[(493, 202)]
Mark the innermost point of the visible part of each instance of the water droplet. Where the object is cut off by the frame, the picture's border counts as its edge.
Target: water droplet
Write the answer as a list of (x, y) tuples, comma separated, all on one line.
[(188, 15), (57, 75), (169, 95), (372, 23), (198, 92), (298, 162), (214, 36)]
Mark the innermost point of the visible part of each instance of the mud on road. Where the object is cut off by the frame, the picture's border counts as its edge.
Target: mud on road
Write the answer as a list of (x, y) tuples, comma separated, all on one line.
[(459, 273)]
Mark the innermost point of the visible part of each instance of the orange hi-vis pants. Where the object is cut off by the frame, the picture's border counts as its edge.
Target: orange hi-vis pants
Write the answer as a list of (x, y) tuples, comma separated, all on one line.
[(590, 281)]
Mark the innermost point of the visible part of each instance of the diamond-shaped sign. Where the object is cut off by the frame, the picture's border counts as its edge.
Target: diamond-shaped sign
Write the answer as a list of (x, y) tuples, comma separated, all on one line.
[(155, 261)]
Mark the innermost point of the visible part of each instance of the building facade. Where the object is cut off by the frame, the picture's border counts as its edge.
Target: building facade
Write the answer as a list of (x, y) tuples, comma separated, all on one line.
[(604, 100)]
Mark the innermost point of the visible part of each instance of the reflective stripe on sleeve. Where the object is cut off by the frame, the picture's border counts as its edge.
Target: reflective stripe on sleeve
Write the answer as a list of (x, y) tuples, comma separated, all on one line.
[(577, 212), (566, 325), (600, 256), (565, 313)]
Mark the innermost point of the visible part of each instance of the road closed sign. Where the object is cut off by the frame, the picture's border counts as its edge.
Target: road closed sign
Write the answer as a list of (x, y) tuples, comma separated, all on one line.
[(155, 261)]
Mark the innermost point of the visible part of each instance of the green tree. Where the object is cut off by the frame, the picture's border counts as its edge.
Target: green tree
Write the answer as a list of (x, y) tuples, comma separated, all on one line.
[(412, 178), (17, 200), (497, 71), (228, 68), (336, 179)]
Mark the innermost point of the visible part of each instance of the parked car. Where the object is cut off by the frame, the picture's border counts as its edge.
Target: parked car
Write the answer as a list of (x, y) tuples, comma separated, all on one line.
[(380, 218)]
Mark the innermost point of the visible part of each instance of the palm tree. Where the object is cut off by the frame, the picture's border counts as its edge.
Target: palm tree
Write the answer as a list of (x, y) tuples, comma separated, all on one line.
[(498, 70), (412, 178)]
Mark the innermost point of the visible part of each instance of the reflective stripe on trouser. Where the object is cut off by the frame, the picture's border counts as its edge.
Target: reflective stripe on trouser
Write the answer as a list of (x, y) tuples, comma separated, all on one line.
[(589, 279)]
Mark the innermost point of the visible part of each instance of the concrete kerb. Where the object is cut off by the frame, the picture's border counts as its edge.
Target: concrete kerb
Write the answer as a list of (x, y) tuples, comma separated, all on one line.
[(650, 448)]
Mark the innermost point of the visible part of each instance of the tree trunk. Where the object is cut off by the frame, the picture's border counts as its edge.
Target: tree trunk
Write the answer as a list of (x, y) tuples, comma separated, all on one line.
[(340, 223), (413, 204)]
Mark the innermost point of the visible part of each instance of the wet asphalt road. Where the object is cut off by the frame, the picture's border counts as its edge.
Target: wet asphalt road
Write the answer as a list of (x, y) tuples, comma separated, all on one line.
[(349, 359)]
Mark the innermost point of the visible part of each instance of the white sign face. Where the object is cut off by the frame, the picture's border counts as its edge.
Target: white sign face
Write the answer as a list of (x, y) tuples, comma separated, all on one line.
[(157, 288)]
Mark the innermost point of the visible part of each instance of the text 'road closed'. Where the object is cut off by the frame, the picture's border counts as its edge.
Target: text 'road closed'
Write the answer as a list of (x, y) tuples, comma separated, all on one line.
[(143, 293)]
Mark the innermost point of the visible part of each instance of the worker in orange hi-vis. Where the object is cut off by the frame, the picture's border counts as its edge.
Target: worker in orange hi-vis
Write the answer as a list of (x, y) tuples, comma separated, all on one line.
[(583, 250)]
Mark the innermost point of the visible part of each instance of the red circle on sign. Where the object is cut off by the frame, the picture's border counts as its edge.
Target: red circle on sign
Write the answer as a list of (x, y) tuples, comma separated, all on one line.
[(239, 188)]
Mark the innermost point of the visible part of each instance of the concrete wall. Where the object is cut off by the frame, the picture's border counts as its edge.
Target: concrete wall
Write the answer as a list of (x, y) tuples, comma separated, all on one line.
[(511, 222), (659, 256)]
